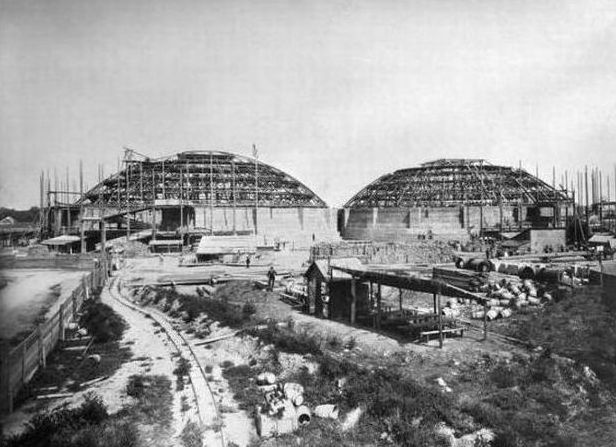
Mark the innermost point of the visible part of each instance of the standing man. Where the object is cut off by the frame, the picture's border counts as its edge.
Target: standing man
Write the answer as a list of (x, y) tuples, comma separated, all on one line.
[(248, 261), (271, 278)]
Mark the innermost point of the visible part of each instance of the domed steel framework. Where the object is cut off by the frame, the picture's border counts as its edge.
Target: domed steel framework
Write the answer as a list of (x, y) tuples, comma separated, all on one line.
[(210, 178), (450, 182)]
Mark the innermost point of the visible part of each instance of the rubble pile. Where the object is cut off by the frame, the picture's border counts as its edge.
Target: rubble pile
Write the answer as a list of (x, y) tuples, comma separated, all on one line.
[(284, 409)]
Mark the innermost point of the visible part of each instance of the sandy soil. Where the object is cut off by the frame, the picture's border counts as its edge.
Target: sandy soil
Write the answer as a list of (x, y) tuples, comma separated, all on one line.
[(237, 426), (28, 292)]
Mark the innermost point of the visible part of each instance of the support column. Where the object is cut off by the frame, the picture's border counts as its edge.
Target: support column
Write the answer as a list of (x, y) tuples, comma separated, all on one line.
[(6, 395), (353, 299), (485, 319), (440, 318), (378, 306)]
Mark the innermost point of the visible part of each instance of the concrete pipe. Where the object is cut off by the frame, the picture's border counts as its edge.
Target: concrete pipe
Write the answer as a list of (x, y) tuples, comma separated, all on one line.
[(505, 313), (327, 411), (266, 378), (478, 315), (479, 265), (460, 263), (292, 390), (303, 415), (492, 314)]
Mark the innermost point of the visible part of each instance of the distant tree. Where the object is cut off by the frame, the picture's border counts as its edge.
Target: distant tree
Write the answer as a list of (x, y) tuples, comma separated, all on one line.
[(22, 216)]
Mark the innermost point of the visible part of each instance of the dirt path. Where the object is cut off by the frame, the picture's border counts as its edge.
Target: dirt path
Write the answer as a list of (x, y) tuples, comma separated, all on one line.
[(211, 391)]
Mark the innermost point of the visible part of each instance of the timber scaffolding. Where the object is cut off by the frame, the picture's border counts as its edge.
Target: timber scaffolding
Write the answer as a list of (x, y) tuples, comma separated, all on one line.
[(144, 186), (453, 181), (435, 286)]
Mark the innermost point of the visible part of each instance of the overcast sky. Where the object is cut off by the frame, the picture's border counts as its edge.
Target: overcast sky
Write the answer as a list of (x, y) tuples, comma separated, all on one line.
[(336, 93)]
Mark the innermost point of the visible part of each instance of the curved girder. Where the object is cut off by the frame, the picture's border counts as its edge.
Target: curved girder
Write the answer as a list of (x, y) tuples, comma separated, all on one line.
[(215, 178), (455, 182)]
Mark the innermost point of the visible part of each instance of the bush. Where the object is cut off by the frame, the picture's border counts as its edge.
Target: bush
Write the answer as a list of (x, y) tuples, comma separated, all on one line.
[(135, 386), (47, 429), (289, 341), (222, 311), (102, 322), (248, 309), (503, 376)]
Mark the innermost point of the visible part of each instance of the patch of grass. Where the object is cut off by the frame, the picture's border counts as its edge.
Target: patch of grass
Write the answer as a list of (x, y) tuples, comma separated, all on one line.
[(75, 427), (192, 306), (184, 405), (247, 394), (181, 370), (581, 327), (65, 367), (153, 399), (289, 341), (191, 435)]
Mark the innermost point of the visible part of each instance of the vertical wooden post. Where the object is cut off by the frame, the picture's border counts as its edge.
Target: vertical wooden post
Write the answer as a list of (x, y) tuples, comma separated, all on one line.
[(234, 197), (400, 297), (23, 362), (378, 305), (41, 346), (61, 321), (485, 319), (153, 206), (6, 395), (353, 299), (434, 301), (440, 317)]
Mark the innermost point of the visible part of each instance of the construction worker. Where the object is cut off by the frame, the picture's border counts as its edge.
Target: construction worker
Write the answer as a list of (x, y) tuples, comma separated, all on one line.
[(271, 278)]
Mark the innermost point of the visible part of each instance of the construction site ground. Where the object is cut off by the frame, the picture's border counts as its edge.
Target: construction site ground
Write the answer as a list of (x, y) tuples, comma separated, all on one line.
[(473, 372)]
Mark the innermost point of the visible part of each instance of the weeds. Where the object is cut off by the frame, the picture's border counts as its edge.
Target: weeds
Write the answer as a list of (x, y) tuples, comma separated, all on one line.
[(191, 435), (153, 396), (181, 370), (102, 322), (289, 341)]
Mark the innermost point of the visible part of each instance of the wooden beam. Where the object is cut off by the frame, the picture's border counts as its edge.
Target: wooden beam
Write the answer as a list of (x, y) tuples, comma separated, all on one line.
[(378, 306), (353, 299)]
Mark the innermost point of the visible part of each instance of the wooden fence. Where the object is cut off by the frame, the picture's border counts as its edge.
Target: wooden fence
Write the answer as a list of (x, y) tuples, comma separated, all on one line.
[(19, 363)]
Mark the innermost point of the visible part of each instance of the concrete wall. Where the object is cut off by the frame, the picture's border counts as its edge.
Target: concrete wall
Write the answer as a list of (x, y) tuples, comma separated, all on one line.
[(273, 224), (399, 224), (539, 239)]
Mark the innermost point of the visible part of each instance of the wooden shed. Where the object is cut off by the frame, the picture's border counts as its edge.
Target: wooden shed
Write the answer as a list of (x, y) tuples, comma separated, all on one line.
[(329, 291)]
